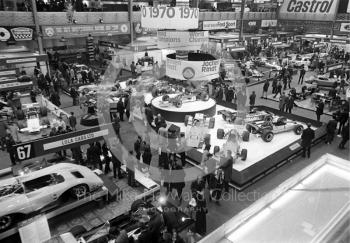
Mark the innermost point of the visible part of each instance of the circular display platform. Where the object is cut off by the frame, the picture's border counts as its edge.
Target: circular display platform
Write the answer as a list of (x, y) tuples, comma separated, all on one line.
[(174, 114)]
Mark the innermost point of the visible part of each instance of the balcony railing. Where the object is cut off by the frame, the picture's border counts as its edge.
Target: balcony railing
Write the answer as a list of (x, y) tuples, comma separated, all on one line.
[(13, 18)]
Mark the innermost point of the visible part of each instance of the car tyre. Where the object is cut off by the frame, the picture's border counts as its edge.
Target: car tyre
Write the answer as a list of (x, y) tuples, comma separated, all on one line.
[(79, 191), (244, 154), (298, 130), (267, 136), (6, 222), (251, 129)]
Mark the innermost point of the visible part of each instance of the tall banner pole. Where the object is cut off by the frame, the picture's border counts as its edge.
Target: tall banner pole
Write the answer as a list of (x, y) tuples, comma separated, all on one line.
[(37, 28), (131, 22), (242, 23)]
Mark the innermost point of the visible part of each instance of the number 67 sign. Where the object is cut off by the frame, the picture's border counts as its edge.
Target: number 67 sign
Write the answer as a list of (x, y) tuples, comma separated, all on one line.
[(162, 17)]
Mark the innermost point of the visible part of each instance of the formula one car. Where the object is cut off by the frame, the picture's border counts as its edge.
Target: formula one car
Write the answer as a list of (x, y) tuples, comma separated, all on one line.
[(234, 139), (254, 115), (179, 99), (267, 130), (33, 192)]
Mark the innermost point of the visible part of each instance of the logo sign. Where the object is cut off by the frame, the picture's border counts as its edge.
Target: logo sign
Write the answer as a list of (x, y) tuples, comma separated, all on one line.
[(345, 27), (67, 31), (22, 33), (182, 40), (320, 10), (219, 25), (163, 17), (192, 70), (269, 23), (4, 34), (21, 60), (334, 67), (252, 23)]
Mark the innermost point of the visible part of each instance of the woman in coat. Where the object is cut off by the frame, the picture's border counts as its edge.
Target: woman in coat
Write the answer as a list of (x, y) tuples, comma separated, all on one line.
[(201, 214)]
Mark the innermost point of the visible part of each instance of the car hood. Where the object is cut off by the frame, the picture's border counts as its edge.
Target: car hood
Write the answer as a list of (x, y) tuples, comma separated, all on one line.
[(14, 203)]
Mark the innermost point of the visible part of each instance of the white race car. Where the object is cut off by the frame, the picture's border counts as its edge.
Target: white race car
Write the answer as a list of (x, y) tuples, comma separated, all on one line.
[(33, 192), (300, 61)]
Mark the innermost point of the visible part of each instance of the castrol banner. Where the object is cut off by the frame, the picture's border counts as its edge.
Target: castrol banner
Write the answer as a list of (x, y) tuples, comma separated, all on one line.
[(317, 10), (182, 40), (192, 70)]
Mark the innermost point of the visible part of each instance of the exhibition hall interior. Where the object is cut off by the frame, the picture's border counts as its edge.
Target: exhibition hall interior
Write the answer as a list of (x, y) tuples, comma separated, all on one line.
[(174, 121)]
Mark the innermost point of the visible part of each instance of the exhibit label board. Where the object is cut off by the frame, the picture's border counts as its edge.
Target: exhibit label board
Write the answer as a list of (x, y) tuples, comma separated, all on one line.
[(192, 70), (219, 24), (163, 17), (321, 10), (182, 40)]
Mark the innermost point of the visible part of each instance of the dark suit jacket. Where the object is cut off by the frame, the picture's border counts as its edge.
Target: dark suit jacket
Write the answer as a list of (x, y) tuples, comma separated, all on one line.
[(307, 137), (227, 168)]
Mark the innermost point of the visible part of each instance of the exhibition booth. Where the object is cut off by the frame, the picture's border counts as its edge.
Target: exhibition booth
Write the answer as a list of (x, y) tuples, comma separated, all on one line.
[(311, 206)]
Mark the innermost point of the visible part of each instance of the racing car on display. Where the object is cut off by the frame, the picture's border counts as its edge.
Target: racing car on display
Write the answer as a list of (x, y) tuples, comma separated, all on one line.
[(268, 129), (324, 81), (43, 189), (300, 61), (269, 63), (254, 115), (179, 99), (233, 142)]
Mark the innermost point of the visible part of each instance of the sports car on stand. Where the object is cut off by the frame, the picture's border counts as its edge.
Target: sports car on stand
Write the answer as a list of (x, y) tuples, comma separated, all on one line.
[(324, 81), (272, 63), (254, 115), (43, 189), (300, 61), (268, 129), (233, 142)]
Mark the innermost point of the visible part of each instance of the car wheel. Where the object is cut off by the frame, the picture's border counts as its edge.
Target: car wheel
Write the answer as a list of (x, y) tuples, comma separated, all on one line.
[(79, 191), (5, 222), (267, 136), (251, 129), (268, 118), (223, 117), (298, 130)]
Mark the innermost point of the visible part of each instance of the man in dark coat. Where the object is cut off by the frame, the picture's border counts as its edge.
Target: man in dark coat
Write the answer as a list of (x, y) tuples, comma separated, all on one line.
[(252, 100), (149, 114), (331, 127), (319, 110), (306, 140), (227, 168), (137, 147), (345, 136), (72, 121), (120, 109), (265, 89), (289, 104), (302, 74)]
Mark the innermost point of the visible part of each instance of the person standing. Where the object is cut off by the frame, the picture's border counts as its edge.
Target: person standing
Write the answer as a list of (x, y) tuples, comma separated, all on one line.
[(127, 106), (301, 76), (116, 127), (252, 100), (274, 85), (137, 147), (345, 136), (138, 69), (265, 89), (319, 110), (74, 94), (279, 89), (72, 121), (289, 104), (201, 213), (227, 168), (10, 146), (120, 109), (330, 129), (306, 139), (130, 168), (133, 69), (282, 102)]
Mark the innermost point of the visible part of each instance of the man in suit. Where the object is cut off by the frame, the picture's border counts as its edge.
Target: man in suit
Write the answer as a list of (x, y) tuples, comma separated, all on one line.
[(319, 110), (227, 168), (306, 140)]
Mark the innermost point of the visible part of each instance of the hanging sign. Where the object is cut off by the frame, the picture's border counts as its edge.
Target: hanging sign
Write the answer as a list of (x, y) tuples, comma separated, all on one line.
[(345, 27), (219, 24), (182, 40), (163, 17), (192, 70), (320, 10)]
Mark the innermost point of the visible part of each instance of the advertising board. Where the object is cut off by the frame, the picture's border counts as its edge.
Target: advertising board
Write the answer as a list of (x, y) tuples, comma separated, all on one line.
[(162, 17), (219, 25), (182, 40), (192, 70), (320, 10)]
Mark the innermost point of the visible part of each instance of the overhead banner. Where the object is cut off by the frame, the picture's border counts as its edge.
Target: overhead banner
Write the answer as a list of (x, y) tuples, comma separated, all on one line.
[(192, 70), (182, 40), (17, 34), (345, 27), (268, 23), (162, 17), (71, 31), (219, 25), (320, 10)]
